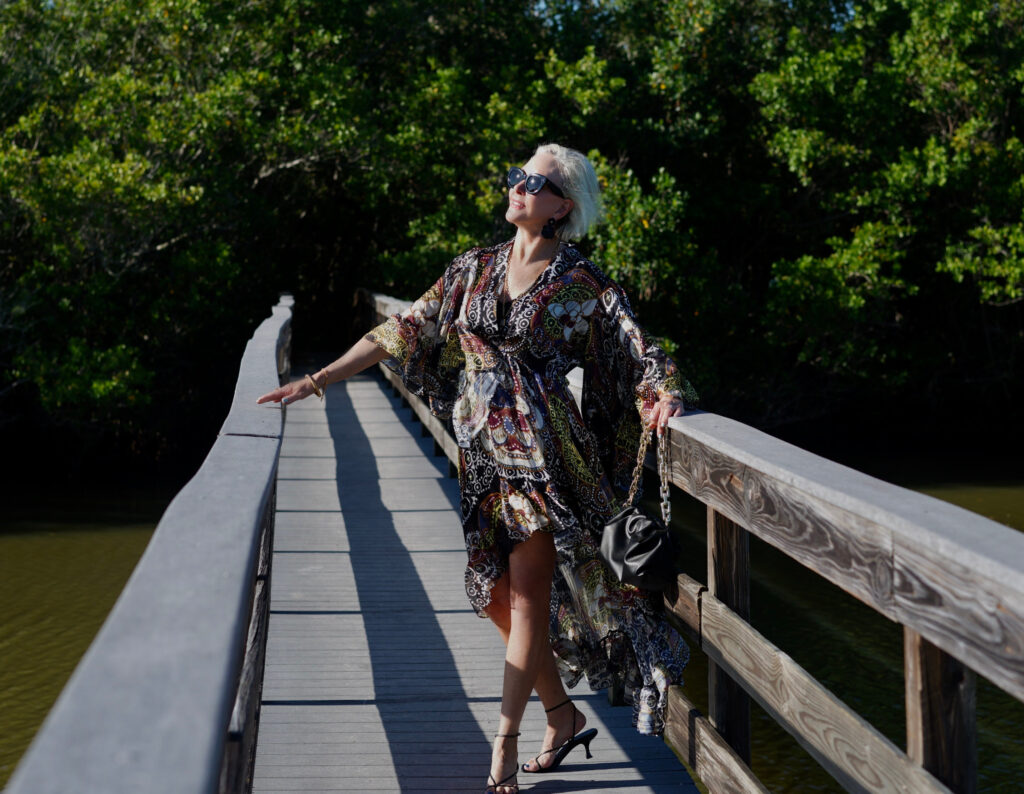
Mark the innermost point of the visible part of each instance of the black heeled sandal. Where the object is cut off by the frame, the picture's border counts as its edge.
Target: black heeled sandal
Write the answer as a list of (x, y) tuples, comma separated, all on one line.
[(584, 738), (491, 784)]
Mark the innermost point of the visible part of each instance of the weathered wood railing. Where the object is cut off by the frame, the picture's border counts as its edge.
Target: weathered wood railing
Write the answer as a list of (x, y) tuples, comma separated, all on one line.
[(954, 580), (167, 696)]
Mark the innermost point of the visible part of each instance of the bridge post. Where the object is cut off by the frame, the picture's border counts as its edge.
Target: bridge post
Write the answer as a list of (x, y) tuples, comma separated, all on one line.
[(729, 582), (941, 726)]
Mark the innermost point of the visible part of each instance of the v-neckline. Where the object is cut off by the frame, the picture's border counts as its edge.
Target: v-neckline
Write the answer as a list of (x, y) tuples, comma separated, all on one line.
[(503, 292)]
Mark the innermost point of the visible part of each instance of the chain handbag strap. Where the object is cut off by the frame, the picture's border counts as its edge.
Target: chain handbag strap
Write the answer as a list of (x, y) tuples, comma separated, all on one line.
[(663, 480), (663, 492)]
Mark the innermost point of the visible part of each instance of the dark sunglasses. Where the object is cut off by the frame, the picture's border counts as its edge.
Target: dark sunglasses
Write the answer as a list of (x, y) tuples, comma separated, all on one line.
[(534, 182)]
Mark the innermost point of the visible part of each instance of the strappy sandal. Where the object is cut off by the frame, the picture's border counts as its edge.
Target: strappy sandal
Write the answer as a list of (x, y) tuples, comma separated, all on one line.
[(492, 785), (584, 738)]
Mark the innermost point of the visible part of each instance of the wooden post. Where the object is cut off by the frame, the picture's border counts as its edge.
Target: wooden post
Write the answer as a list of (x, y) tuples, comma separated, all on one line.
[(941, 726), (729, 582)]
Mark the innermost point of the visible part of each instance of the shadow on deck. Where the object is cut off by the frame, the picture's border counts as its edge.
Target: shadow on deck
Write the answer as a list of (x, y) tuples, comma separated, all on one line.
[(379, 676)]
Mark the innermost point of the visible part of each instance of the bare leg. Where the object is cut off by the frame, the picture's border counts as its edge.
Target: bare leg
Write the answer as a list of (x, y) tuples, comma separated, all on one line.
[(548, 684), (531, 565)]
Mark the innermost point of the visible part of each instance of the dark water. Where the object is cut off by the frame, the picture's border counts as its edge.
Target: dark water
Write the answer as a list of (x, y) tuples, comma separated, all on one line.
[(64, 559)]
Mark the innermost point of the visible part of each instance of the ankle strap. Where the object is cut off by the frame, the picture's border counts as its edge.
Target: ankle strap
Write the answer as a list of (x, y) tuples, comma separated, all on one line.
[(505, 735), (548, 711)]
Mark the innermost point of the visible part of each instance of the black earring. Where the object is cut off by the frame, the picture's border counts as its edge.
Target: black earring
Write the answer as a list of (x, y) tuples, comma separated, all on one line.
[(549, 229)]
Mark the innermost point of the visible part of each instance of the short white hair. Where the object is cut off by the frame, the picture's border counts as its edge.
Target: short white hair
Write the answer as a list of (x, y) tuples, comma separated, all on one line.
[(579, 183)]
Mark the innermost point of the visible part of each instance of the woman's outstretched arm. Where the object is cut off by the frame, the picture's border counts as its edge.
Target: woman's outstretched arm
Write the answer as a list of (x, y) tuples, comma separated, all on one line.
[(360, 356)]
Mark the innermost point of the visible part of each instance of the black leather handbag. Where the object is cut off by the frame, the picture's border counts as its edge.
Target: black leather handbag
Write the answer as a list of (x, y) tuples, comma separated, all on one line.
[(639, 549)]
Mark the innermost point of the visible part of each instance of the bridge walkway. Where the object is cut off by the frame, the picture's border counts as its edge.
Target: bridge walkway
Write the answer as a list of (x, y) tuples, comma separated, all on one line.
[(379, 677)]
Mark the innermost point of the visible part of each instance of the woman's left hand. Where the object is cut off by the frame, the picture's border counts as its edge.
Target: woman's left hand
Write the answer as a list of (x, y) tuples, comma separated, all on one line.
[(666, 407)]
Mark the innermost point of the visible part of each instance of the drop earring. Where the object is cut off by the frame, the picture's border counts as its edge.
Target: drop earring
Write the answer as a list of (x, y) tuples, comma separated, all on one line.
[(548, 231)]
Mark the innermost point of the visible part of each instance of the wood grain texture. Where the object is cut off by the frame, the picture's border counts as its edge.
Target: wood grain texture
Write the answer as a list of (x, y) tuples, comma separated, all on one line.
[(709, 756), (941, 725), (842, 547), (729, 582), (728, 563), (976, 620), (961, 576), (683, 601), (859, 757), (240, 750)]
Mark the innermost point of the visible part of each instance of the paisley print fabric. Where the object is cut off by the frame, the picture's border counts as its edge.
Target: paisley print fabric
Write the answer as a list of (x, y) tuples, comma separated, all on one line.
[(532, 461)]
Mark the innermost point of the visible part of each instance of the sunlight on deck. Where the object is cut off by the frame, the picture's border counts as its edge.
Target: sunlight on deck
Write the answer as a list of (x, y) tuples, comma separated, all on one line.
[(379, 676)]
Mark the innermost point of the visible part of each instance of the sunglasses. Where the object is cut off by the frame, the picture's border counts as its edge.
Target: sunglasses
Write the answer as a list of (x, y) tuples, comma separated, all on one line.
[(534, 182)]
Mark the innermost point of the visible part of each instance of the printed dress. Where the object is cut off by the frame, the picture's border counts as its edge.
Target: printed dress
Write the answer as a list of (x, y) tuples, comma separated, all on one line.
[(531, 460)]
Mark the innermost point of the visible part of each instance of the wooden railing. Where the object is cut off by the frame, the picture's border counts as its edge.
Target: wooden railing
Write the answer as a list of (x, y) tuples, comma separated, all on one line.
[(167, 696), (954, 580)]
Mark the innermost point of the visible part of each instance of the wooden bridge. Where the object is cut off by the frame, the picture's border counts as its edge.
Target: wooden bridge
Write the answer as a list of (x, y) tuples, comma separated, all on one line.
[(379, 676), (305, 588)]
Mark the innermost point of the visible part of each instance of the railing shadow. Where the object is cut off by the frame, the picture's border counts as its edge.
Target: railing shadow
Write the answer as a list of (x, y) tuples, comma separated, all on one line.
[(433, 736)]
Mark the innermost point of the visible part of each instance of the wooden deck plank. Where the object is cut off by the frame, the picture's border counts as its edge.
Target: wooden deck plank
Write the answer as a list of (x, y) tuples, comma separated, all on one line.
[(379, 676)]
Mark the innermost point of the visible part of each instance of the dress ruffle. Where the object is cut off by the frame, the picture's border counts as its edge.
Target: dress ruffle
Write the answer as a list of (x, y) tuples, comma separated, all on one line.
[(531, 461)]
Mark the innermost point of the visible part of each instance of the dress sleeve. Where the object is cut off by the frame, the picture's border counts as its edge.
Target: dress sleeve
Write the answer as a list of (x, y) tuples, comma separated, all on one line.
[(422, 343), (625, 375), (643, 371)]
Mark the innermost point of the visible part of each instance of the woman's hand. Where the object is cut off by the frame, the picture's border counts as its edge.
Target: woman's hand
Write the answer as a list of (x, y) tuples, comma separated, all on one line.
[(361, 355), (289, 393), (666, 407)]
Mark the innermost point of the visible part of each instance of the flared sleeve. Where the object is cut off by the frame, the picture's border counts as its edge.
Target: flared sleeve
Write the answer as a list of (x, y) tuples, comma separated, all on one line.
[(625, 376), (423, 341)]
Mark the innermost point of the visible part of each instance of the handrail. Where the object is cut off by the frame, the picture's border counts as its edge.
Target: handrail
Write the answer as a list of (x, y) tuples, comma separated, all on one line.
[(155, 705), (952, 578)]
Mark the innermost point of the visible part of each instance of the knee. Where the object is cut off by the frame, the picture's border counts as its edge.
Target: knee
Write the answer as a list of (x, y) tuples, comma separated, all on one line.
[(531, 592), (532, 565)]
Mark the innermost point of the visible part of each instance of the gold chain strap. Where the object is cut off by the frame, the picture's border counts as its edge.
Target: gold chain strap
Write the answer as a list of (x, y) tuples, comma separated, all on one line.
[(664, 492), (645, 439)]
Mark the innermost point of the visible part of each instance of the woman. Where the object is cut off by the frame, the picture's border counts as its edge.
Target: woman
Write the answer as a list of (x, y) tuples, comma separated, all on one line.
[(490, 344)]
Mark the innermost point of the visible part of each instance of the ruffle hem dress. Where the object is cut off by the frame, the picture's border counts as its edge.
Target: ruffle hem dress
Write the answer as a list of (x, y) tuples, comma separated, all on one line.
[(532, 461)]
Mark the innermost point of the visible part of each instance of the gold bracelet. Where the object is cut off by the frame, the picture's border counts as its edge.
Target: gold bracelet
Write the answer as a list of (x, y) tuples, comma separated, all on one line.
[(316, 389)]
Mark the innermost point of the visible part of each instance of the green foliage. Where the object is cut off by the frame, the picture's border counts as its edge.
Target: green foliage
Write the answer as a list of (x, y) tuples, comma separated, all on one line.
[(804, 198), (903, 133), (848, 298), (644, 240), (993, 258)]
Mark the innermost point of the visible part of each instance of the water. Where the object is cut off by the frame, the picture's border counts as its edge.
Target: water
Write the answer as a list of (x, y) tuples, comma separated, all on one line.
[(65, 559)]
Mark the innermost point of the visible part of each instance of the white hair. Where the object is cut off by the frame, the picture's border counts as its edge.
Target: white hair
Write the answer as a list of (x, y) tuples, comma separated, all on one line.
[(579, 183)]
